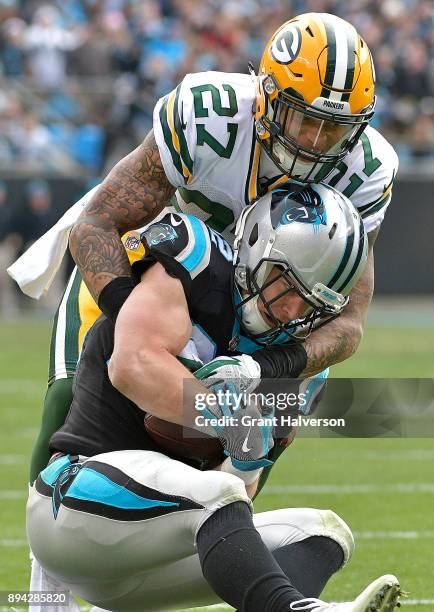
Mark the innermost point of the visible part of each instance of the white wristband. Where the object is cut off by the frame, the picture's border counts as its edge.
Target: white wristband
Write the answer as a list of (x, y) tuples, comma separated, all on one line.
[(247, 477)]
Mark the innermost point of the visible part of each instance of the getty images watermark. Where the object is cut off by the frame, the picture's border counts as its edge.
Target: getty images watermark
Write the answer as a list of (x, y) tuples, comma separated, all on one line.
[(257, 410), (337, 407)]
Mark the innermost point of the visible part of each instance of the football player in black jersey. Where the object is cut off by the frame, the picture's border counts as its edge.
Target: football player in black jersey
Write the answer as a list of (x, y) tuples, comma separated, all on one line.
[(117, 520)]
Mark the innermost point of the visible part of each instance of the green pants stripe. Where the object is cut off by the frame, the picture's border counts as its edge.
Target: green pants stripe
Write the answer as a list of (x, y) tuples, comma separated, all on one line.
[(64, 348)]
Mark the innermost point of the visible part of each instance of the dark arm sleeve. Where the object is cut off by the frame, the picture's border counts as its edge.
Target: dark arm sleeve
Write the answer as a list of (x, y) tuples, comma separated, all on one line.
[(171, 265)]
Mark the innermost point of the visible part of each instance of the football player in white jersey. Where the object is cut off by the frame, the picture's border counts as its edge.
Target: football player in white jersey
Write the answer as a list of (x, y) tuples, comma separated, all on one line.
[(221, 140)]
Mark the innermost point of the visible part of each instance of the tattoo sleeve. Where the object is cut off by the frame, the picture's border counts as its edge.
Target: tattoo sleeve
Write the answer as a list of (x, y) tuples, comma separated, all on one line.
[(133, 193), (340, 338)]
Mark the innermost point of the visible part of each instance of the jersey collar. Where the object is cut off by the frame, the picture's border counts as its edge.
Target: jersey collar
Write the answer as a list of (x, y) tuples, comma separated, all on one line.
[(253, 190)]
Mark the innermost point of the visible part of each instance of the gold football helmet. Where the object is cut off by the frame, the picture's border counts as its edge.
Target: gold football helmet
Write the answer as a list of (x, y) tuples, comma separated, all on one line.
[(315, 94)]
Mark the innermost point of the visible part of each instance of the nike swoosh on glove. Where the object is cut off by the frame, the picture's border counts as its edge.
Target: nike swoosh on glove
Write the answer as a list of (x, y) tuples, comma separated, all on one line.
[(243, 424)]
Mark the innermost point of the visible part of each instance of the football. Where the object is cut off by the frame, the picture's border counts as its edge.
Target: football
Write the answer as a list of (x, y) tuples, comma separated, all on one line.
[(184, 442)]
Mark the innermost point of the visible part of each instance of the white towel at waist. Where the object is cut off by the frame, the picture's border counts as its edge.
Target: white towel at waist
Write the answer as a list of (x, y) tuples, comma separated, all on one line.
[(37, 267)]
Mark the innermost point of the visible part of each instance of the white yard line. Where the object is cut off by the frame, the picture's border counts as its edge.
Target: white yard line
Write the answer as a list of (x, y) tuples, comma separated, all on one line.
[(11, 543), (27, 432), (404, 602), (409, 454), (13, 459), (394, 535), (23, 385), (419, 487), (7, 495)]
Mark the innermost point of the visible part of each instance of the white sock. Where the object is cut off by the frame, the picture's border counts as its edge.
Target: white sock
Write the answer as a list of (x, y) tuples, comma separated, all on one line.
[(41, 581)]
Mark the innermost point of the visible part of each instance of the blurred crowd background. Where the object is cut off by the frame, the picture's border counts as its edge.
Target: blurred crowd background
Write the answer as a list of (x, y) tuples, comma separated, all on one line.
[(79, 79)]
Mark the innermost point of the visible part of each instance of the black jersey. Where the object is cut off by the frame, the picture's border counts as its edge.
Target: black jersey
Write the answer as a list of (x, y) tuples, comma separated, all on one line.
[(100, 418)]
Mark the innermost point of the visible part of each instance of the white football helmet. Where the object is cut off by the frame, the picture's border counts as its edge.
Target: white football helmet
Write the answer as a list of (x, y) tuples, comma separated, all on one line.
[(317, 240)]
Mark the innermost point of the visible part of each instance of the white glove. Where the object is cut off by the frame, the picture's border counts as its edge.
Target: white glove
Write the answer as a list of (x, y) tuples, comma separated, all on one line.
[(242, 371)]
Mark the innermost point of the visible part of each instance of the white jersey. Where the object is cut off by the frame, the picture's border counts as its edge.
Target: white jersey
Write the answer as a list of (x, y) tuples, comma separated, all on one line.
[(204, 130)]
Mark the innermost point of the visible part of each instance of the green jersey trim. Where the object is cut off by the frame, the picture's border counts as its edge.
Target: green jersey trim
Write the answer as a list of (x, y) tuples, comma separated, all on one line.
[(374, 207), (220, 216), (179, 129), (168, 138)]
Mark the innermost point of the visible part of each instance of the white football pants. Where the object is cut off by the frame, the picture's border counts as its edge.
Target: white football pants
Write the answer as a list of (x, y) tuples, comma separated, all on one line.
[(120, 532)]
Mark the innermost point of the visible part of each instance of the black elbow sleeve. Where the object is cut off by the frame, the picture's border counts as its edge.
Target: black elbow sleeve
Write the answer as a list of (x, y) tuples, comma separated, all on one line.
[(283, 361), (113, 296)]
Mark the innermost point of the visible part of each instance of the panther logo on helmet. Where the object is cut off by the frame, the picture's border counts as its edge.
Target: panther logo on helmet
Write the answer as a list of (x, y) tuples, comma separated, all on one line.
[(286, 45), (310, 210), (304, 214)]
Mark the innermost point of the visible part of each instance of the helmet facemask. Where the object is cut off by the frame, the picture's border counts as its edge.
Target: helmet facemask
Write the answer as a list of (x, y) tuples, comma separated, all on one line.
[(301, 139), (257, 281)]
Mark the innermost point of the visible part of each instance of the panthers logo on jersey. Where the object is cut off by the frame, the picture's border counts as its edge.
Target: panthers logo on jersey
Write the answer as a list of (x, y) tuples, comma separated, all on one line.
[(159, 232)]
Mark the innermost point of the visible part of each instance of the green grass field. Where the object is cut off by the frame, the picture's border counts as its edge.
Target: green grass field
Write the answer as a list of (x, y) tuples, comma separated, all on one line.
[(392, 515)]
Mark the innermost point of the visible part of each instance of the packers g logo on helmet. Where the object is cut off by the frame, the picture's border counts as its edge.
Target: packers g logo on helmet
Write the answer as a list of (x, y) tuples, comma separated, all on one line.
[(286, 45), (315, 94)]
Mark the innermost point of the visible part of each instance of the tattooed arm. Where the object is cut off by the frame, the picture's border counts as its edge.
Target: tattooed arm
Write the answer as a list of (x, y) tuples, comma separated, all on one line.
[(340, 338), (132, 194)]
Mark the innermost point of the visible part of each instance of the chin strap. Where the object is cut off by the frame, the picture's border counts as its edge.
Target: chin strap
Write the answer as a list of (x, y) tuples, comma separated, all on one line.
[(239, 232), (252, 319)]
